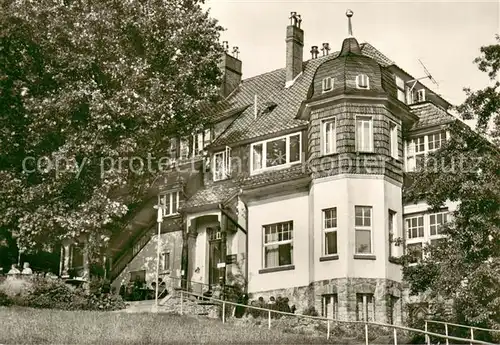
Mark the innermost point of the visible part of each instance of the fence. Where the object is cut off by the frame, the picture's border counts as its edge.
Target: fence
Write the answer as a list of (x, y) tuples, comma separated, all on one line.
[(328, 322), (446, 329)]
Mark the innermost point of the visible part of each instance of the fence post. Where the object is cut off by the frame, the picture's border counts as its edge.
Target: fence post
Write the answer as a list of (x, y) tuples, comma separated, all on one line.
[(446, 332), (427, 338), (269, 321), (471, 336), (395, 336), (182, 298), (327, 329), (223, 312), (366, 333)]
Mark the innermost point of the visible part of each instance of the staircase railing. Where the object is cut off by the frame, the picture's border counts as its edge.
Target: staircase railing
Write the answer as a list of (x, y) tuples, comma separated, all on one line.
[(471, 329), (328, 321)]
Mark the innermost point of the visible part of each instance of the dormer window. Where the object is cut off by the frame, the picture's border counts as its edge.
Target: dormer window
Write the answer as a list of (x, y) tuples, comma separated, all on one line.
[(420, 95), (362, 81), (327, 84)]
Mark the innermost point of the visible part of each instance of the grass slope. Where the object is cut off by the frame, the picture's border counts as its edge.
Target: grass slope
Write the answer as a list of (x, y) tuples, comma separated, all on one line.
[(36, 326)]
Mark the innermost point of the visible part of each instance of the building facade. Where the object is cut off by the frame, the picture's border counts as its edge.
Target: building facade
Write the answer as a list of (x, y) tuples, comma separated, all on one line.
[(296, 190)]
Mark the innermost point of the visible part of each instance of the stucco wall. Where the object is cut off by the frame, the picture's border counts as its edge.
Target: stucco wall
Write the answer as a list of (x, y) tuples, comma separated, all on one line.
[(146, 259), (294, 207)]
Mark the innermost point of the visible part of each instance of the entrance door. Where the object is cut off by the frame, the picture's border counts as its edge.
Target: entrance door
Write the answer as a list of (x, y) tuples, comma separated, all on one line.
[(214, 259)]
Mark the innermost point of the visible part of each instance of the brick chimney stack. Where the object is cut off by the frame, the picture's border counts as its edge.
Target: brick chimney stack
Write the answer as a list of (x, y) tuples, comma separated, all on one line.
[(294, 47), (230, 66)]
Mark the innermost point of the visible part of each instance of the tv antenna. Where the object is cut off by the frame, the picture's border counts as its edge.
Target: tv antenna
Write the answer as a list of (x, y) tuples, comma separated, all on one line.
[(427, 75)]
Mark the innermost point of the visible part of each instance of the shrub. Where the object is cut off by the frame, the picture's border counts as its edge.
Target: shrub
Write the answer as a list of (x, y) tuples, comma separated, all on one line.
[(5, 299), (311, 311)]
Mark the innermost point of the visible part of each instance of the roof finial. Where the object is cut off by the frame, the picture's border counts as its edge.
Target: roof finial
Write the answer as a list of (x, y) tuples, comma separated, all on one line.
[(349, 14)]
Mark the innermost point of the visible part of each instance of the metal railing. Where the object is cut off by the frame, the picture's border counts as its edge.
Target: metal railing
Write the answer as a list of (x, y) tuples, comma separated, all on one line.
[(446, 329), (328, 321)]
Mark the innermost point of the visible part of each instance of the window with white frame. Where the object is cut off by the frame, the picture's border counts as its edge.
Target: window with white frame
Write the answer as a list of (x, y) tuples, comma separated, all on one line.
[(276, 152), (364, 134), (329, 136), (165, 261), (415, 227), (278, 244), (363, 229), (419, 147), (330, 306), (184, 148), (393, 234), (436, 222), (362, 81), (222, 164), (330, 231), (420, 95), (365, 307), (415, 252), (172, 149), (170, 201), (199, 141), (393, 139), (401, 86), (327, 84)]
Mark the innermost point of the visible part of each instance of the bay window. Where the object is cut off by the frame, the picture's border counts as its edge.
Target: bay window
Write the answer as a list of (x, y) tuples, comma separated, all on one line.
[(276, 152), (278, 244)]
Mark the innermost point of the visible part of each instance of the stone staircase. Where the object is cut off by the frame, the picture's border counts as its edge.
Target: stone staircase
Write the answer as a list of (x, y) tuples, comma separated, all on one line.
[(172, 304)]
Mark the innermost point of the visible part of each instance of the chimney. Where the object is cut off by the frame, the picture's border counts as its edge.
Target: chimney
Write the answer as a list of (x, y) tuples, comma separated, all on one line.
[(314, 52), (294, 47), (326, 48), (230, 66)]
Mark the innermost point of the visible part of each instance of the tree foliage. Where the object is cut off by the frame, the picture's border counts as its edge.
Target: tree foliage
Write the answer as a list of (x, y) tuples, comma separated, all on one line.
[(465, 267), (83, 84)]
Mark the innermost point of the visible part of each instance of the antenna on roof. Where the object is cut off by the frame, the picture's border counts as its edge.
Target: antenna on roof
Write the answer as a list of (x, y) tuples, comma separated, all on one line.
[(427, 75)]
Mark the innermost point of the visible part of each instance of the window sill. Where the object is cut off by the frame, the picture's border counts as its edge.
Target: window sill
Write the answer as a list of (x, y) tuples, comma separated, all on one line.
[(332, 154), (329, 257), (277, 269), (365, 256), (365, 152)]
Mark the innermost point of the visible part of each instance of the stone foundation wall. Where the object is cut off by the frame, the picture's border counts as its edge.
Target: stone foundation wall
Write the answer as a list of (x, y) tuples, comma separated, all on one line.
[(388, 297)]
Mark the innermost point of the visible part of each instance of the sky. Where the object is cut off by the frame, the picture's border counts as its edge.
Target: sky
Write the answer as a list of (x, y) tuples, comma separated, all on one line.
[(444, 35)]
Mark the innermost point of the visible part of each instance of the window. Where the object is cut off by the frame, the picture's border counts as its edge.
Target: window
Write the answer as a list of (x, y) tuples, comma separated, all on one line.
[(165, 261), (365, 307), (363, 229), (415, 227), (436, 222), (401, 86), (222, 164), (184, 148), (171, 203), (276, 152), (362, 81), (414, 250), (364, 134), (330, 231), (327, 84), (199, 141), (393, 234), (420, 95), (172, 150), (278, 244), (419, 147), (393, 139), (139, 276), (330, 306), (329, 137)]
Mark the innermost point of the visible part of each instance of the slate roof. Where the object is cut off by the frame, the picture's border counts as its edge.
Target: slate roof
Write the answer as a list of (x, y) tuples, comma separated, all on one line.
[(270, 87), (216, 193), (430, 115)]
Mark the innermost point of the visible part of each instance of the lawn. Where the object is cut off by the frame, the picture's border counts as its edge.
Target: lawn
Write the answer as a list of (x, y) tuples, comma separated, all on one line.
[(37, 326)]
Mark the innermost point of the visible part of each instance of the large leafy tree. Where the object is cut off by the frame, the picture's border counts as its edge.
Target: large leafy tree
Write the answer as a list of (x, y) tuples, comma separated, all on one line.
[(465, 267), (90, 94)]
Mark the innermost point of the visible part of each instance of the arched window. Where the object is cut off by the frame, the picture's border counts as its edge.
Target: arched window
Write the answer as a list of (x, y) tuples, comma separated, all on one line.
[(362, 81)]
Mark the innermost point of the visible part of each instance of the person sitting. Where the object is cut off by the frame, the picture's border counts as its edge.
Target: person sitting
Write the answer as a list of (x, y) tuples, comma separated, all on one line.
[(26, 269), (13, 270)]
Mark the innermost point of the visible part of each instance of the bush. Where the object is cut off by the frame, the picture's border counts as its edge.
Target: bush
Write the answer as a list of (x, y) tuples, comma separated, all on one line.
[(5, 299), (311, 311)]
